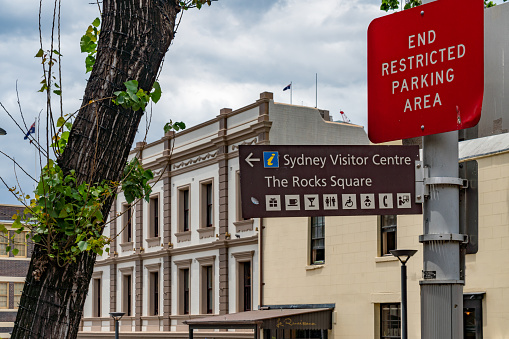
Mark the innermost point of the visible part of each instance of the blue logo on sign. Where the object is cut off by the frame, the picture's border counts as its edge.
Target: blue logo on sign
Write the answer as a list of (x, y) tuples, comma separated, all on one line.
[(270, 159)]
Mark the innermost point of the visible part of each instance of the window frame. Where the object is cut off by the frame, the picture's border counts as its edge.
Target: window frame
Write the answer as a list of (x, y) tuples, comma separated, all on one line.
[(207, 203), (183, 291), (6, 295), (386, 229), (207, 293), (96, 296), (17, 296), (154, 217), (314, 223), (154, 291), (382, 321), (184, 208), (474, 301), (127, 223), (127, 304), (24, 244), (241, 259), (6, 243)]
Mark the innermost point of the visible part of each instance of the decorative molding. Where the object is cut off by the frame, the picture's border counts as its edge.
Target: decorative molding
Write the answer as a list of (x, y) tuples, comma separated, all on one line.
[(213, 245), (186, 263), (151, 242), (204, 261), (200, 158), (153, 267), (243, 256), (243, 225), (127, 246), (126, 270), (183, 236), (252, 142), (206, 232), (97, 275)]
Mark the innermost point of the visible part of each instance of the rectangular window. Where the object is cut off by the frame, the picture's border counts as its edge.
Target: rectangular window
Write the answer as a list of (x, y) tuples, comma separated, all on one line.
[(18, 290), (4, 295), (184, 209), (4, 242), (390, 321), (472, 316), (185, 291), (96, 292), (317, 240), (388, 234), (20, 243), (127, 218), (207, 290), (206, 191), (244, 286), (127, 295), (154, 293), (154, 216)]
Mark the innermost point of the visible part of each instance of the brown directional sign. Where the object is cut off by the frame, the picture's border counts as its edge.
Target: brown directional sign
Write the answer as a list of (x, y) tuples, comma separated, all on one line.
[(294, 181)]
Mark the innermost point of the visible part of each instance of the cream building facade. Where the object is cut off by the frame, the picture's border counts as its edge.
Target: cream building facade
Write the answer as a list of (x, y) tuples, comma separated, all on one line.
[(362, 281), (188, 253)]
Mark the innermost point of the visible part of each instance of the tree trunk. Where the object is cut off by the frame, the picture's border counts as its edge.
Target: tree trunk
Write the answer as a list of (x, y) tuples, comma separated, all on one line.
[(135, 35)]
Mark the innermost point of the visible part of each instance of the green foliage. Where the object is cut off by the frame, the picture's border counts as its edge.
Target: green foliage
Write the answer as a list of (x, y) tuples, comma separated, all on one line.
[(48, 58), (88, 44), (62, 136), (135, 98), (389, 4), (135, 183), (176, 126), (394, 4), (185, 5), (412, 4), (488, 4)]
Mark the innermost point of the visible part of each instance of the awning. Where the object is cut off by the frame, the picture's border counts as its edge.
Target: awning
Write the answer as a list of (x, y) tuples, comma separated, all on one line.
[(301, 319)]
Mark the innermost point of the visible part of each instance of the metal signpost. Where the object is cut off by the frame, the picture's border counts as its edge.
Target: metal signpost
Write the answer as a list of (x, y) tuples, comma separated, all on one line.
[(432, 83), (292, 181)]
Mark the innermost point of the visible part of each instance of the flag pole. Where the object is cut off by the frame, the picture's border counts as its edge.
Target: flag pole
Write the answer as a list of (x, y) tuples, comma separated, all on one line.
[(291, 91), (316, 90)]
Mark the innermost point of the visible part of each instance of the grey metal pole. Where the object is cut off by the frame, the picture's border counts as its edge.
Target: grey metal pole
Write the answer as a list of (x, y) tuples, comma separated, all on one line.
[(441, 288), (404, 312)]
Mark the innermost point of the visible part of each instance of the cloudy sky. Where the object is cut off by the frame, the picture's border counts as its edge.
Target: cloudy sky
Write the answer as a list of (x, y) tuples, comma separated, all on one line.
[(222, 56)]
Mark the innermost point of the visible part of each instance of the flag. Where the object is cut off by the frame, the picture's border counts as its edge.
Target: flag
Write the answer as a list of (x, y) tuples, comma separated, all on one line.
[(287, 87), (30, 131)]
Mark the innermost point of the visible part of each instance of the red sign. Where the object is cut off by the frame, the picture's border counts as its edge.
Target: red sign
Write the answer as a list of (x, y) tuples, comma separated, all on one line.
[(426, 70)]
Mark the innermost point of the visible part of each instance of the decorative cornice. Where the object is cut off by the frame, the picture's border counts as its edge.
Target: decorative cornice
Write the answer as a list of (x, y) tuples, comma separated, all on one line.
[(200, 158), (179, 251), (252, 142)]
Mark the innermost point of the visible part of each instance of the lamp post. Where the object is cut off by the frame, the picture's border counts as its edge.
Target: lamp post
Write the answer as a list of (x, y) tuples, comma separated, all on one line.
[(403, 256), (116, 316)]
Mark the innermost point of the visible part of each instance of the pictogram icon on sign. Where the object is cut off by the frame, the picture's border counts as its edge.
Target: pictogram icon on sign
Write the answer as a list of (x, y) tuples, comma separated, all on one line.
[(273, 202), (311, 202), (349, 201), (271, 159), (385, 200), (330, 201), (404, 200), (367, 201), (292, 202)]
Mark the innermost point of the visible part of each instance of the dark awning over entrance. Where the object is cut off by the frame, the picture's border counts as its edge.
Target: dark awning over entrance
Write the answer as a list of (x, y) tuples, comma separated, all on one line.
[(299, 319)]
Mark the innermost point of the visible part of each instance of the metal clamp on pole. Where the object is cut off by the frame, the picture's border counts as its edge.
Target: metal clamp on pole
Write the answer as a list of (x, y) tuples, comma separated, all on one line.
[(423, 181), (462, 238)]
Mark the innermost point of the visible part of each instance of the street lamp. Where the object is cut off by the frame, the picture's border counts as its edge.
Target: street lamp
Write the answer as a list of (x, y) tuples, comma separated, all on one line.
[(403, 256), (116, 316)]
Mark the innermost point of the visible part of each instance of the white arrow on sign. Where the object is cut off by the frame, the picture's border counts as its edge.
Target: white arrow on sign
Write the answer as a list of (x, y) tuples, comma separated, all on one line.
[(249, 159)]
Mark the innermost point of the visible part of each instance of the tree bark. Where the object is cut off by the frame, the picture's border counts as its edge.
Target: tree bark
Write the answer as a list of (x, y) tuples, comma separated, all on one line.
[(135, 35)]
